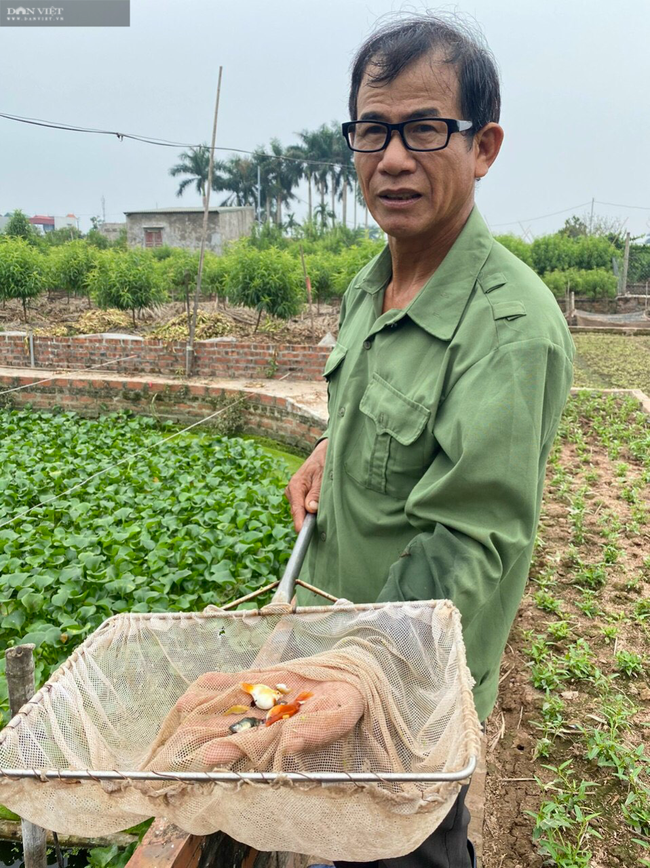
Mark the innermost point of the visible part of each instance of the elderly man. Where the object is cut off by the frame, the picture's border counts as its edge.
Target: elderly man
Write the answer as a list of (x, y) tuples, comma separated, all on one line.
[(452, 367)]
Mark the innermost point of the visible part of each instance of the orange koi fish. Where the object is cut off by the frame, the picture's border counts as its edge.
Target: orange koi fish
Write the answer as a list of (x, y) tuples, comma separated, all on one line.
[(282, 712)]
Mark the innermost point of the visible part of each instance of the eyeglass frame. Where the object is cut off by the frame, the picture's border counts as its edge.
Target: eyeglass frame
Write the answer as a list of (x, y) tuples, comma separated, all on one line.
[(453, 126)]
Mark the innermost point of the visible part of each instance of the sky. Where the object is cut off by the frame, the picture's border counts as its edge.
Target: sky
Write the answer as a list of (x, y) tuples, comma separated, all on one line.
[(575, 91)]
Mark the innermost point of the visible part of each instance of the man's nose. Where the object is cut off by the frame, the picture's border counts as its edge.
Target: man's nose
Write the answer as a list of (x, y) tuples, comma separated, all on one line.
[(396, 157)]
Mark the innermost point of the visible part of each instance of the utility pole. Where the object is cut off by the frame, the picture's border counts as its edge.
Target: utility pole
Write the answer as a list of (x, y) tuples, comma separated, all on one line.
[(103, 209), (591, 217), (259, 195), (626, 262), (189, 349)]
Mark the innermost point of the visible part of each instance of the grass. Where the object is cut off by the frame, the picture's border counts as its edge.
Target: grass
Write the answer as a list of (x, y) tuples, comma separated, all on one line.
[(612, 362)]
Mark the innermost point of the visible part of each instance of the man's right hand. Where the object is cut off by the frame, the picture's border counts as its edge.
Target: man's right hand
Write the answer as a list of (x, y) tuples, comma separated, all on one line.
[(303, 491)]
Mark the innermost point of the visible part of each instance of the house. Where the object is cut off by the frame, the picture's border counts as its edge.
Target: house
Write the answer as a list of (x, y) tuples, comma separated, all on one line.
[(47, 224), (182, 227), (42, 223), (111, 230)]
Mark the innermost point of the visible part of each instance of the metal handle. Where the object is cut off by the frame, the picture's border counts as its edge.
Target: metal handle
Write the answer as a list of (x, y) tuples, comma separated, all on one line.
[(285, 589)]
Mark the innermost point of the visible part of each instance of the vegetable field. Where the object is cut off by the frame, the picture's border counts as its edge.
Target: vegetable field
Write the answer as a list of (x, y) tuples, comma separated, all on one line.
[(568, 762), (197, 520), (612, 361)]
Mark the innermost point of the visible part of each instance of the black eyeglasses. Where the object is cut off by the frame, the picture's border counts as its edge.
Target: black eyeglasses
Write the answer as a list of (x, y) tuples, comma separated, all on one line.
[(424, 134)]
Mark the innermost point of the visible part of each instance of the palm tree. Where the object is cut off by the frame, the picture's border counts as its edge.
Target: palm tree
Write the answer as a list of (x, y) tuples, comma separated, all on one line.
[(194, 163), (238, 177)]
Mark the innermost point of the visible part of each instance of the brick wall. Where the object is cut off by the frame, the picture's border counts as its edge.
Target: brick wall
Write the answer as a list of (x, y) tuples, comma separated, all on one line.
[(271, 416), (220, 357)]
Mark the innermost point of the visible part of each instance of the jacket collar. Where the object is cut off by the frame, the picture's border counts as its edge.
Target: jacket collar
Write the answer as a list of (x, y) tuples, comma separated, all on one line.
[(439, 305)]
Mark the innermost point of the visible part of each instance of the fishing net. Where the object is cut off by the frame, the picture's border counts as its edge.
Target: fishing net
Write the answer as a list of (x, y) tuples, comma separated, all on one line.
[(390, 692)]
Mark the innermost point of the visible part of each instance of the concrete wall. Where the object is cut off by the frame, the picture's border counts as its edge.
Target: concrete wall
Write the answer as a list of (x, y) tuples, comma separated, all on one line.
[(111, 230), (183, 229)]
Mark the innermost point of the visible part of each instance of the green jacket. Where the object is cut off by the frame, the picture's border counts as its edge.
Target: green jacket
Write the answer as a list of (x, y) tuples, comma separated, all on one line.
[(442, 416)]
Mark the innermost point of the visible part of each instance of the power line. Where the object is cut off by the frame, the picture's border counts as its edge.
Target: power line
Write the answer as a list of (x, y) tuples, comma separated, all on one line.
[(615, 205), (163, 143), (542, 216)]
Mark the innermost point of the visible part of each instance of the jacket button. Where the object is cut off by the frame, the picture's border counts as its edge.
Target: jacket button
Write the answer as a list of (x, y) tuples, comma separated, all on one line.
[(323, 536), (342, 411), (331, 475), (367, 345)]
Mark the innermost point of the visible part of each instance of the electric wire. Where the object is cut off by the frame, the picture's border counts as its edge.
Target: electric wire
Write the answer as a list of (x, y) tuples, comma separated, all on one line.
[(67, 372)]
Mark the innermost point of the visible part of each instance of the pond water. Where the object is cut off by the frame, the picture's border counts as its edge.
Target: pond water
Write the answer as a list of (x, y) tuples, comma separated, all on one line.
[(11, 853)]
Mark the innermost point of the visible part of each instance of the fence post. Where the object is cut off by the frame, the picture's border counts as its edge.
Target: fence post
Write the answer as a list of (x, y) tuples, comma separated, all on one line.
[(20, 684)]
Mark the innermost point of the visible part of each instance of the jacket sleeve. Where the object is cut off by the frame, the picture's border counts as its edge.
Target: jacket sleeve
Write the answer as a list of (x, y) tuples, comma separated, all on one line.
[(475, 509)]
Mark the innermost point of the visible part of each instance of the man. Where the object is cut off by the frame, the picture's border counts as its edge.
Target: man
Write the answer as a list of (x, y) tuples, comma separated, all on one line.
[(452, 367)]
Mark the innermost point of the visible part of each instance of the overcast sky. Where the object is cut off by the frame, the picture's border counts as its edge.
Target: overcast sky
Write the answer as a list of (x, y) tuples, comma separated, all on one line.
[(576, 91)]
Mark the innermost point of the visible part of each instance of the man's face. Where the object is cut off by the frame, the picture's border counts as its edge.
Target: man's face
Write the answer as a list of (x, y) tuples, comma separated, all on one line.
[(440, 183)]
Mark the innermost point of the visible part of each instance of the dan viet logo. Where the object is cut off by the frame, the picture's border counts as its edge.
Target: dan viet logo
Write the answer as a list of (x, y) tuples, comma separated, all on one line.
[(35, 11)]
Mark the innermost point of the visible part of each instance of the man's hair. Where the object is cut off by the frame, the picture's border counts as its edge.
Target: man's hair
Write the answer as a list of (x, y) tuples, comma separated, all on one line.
[(398, 44)]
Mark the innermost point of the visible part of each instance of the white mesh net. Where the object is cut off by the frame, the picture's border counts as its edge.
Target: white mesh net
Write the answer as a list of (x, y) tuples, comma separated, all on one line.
[(391, 692)]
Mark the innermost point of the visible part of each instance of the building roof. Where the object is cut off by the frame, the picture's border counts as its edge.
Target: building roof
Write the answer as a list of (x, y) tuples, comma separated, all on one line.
[(41, 220), (215, 208)]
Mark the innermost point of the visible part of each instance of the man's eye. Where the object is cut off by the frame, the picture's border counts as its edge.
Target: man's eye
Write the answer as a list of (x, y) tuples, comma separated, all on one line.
[(423, 128)]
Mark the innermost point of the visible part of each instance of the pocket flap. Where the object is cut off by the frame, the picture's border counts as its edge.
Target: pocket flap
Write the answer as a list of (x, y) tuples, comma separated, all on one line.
[(403, 418), (508, 310), (334, 360)]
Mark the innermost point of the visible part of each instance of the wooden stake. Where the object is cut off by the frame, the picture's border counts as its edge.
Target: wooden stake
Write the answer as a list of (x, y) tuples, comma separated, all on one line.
[(20, 685), (189, 351), (308, 285)]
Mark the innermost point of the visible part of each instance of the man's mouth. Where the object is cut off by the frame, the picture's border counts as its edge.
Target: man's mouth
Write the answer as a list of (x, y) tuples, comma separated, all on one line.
[(399, 196)]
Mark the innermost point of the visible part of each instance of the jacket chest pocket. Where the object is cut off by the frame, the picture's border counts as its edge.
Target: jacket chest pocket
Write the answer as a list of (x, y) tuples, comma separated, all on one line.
[(393, 447)]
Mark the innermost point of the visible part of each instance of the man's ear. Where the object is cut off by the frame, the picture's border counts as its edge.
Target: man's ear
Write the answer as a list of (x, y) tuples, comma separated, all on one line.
[(487, 144)]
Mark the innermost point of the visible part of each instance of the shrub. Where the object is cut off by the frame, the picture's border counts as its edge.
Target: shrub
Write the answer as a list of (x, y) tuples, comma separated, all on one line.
[(21, 271), (516, 245), (597, 283), (267, 280), (125, 280), (69, 265), (352, 260)]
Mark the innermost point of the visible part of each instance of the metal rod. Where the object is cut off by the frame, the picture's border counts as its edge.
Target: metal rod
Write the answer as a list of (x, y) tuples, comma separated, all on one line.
[(256, 777), (286, 587), (20, 685)]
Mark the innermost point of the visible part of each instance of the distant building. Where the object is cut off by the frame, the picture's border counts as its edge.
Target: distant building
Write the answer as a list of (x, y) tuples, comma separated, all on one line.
[(111, 230), (182, 227), (46, 224), (42, 223)]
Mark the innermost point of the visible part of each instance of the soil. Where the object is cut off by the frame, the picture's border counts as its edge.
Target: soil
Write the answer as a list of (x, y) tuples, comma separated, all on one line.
[(55, 314), (511, 789)]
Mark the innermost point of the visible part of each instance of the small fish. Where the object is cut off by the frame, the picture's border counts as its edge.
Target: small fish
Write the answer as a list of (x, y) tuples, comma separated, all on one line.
[(282, 688), (236, 709), (245, 723), (283, 712), (264, 697)]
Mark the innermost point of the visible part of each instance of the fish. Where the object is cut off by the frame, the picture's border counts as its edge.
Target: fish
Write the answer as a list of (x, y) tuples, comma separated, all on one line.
[(284, 711), (236, 709), (282, 688), (245, 723), (264, 697)]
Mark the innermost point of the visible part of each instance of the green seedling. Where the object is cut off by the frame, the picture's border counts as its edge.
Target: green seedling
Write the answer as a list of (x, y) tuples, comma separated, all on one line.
[(559, 629), (591, 576), (589, 604), (610, 632), (547, 602), (579, 664), (629, 663)]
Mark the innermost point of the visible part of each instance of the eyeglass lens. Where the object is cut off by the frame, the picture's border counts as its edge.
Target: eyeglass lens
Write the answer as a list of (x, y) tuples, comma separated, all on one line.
[(421, 135)]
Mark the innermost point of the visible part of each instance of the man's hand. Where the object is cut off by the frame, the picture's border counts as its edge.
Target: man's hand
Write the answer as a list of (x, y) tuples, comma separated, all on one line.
[(198, 731), (303, 491)]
